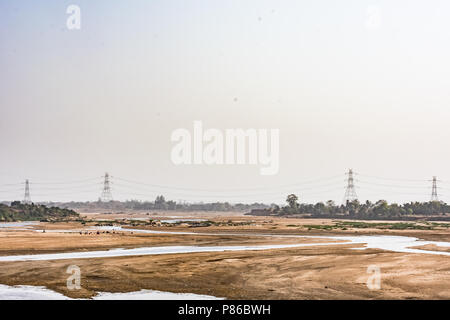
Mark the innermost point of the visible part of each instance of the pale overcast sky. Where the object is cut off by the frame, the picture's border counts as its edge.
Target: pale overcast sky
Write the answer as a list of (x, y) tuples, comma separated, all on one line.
[(349, 84)]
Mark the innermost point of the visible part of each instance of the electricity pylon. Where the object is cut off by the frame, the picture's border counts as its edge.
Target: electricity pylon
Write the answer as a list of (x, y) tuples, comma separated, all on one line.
[(106, 195), (350, 193), (434, 194), (27, 198)]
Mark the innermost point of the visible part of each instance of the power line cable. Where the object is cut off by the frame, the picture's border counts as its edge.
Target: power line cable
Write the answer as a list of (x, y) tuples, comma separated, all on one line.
[(394, 186), (390, 179), (227, 189)]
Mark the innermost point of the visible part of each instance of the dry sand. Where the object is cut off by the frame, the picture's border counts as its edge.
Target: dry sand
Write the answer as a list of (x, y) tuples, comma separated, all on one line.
[(330, 272)]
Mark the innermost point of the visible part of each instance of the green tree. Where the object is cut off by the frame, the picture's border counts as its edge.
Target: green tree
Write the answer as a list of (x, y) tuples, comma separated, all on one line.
[(292, 201)]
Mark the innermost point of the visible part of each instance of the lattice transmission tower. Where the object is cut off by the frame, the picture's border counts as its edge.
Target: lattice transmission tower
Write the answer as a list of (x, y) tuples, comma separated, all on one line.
[(106, 195), (350, 192), (434, 193), (27, 197)]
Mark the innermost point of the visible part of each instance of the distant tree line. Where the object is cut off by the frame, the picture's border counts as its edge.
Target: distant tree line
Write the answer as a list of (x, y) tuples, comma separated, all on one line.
[(162, 204), (355, 209), (32, 212)]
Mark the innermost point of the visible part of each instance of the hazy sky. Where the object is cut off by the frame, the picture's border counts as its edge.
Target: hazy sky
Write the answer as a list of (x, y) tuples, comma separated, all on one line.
[(350, 84)]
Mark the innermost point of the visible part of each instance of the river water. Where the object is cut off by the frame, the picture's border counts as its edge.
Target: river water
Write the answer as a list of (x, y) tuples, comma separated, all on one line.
[(42, 293)]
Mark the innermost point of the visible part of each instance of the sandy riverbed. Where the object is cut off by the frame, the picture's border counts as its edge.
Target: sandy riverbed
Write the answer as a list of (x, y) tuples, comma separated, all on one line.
[(317, 272)]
